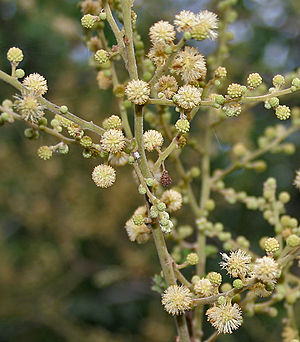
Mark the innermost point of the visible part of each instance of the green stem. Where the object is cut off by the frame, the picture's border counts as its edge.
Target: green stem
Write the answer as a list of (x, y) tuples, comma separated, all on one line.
[(254, 155), (131, 62), (138, 132), (117, 33), (167, 267), (47, 130), (53, 107), (163, 155), (201, 240)]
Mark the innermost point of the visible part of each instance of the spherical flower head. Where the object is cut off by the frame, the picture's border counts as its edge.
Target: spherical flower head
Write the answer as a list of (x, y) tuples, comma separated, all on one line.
[(63, 121), (188, 97), (232, 109), (185, 20), (20, 73), (293, 240), (192, 258), (266, 269), (15, 55), (104, 81), (86, 141), (29, 108), (221, 72), (182, 126), (152, 140), (215, 278), (75, 131), (237, 264), (235, 90), (297, 180), (259, 289), (207, 24), (138, 220), (158, 54), (138, 92), (203, 288), (90, 6), (167, 86), (112, 122), (45, 152), (36, 84), (113, 141), (118, 159), (162, 32), (190, 65), (172, 199), (283, 112), (225, 318), (101, 56), (88, 21), (271, 245), (273, 102), (177, 299), (254, 80), (104, 176), (278, 81), (139, 233)]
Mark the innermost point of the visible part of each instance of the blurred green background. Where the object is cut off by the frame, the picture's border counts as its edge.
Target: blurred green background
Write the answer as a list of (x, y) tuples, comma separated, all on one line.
[(67, 269)]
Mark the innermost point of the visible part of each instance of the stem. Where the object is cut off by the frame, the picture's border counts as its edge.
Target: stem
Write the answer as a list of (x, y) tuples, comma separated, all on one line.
[(167, 267), (131, 61), (117, 33), (140, 142), (47, 130), (254, 155), (53, 107), (201, 240), (165, 67), (163, 155)]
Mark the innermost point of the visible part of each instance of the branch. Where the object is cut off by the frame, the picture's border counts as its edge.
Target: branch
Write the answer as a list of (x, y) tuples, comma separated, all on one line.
[(53, 107)]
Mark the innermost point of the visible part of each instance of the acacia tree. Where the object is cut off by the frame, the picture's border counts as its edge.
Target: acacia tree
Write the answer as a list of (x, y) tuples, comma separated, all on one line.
[(174, 82)]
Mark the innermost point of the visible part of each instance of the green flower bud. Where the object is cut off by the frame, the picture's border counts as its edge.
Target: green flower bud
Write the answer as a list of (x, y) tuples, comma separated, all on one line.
[(221, 300), (284, 197), (220, 99), (45, 152), (278, 81), (293, 240), (15, 55), (63, 109), (254, 80), (130, 160), (88, 21), (192, 259), (142, 190), (20, 73), (102, 15), (101, 56), (220, 72), (187, 35), (215, 278), (271, 245), (182, 126), (153, 212), (161, 206), (138, 220), (210, 205), (237, 283), (283, 112), (274, 102), (150, 181), (296, 82)]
